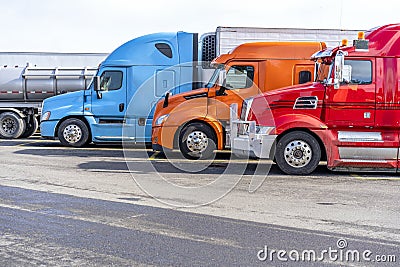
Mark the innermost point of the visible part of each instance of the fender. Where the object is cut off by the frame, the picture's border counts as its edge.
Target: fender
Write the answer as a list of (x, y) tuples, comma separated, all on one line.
[(88, 120), (312, 124), (19, 112), (218, 129), (213, 123), (289, 121)]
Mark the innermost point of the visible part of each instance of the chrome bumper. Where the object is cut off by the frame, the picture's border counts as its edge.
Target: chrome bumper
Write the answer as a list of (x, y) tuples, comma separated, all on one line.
[(249, 143)]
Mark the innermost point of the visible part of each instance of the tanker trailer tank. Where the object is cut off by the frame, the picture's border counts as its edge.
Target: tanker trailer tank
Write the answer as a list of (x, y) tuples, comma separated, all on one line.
[(22, 90)]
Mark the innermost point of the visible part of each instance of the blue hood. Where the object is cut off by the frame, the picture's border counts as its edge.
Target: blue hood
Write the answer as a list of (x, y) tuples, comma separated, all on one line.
[(63, 97), (70, 103)]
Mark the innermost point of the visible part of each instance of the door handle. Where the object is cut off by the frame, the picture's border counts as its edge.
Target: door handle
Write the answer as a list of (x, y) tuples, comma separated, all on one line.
[(121, 107)]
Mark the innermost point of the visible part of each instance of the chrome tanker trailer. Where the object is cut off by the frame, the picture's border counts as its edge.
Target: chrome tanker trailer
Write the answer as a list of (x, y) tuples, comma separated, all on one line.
[(22, 89)]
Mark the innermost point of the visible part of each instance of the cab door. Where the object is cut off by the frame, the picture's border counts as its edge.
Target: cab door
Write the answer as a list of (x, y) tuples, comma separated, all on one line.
[(352, 105), (109, 106)]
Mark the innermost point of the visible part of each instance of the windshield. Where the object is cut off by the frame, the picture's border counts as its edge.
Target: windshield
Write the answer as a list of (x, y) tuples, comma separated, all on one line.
[(323, 69), (215, 76)]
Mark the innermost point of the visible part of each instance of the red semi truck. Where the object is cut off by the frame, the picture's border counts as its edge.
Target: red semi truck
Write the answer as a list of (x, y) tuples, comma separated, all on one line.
[(350, 115)]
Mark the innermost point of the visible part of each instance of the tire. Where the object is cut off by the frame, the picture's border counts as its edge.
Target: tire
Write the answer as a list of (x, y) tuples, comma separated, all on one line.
[(11, 125), (197, 141), (298, 153), (31, 128), (73, 132)]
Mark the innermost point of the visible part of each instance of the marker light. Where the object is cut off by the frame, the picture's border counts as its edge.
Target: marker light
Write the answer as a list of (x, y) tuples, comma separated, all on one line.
[(361, 35), (345, 42)]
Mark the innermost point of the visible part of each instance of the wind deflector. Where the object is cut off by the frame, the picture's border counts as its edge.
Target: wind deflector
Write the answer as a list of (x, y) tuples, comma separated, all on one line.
[(165, 49)]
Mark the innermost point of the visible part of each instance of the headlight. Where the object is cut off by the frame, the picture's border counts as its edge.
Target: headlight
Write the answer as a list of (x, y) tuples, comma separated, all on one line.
[(264, 129), (161, 119), (46, 116)]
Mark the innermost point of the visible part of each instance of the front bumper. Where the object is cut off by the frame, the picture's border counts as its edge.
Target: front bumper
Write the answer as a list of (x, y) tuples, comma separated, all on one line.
[(162, 136), (245, 142), (48, 129), (261, 146)]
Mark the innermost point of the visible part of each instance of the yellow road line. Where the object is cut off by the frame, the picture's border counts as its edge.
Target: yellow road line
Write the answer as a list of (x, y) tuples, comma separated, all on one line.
[(226, 161), (153, 157), (28, 143), (358, 177)]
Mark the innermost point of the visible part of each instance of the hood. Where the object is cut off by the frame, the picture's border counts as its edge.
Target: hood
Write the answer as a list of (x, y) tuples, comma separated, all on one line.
[(188, 95), (175, 100), (292, 92), (64, 105), (305, 98), (181, 100), (65, 97)]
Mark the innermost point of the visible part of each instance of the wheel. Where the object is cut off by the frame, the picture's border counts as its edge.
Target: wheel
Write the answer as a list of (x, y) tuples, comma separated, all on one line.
[(31, 128), (73, 132), (197, 141), (298, 153), (11, 125)]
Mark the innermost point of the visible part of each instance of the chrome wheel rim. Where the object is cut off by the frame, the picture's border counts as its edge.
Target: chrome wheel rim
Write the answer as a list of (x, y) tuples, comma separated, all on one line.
[(197, 141), (72, 133), (298, 153), (9, 126)]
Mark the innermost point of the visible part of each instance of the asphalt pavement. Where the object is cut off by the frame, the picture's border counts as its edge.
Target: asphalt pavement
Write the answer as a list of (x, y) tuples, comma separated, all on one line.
[(88, 207)]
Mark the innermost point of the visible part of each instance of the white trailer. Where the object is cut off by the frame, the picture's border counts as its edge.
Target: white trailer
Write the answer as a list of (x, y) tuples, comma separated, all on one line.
[(224, 39)]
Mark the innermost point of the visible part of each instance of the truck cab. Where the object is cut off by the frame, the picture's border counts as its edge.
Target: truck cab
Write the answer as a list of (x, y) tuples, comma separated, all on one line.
[(349, 116), (127, 85), (197, 122)]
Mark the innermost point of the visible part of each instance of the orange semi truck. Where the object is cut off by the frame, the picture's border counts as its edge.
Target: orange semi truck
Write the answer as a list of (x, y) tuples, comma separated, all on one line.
[(197, 122)]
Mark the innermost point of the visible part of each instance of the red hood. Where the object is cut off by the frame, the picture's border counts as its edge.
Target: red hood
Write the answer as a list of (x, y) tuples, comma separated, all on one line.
[(289, 91), (287, 100)]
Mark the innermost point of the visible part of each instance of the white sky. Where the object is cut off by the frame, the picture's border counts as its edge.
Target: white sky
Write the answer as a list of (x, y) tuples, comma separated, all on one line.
[(102, 25)]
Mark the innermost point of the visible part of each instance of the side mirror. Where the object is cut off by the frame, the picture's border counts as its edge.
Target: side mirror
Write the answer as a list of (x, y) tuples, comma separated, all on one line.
[(339, 63), (346, 73), (96, 83), (222, 77), (96, 87), (221, 82)]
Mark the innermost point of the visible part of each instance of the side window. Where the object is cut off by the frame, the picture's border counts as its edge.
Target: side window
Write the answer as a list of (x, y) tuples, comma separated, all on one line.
[(165, 49), (304, 76), (111, 80), (239, 77), (361, 71)]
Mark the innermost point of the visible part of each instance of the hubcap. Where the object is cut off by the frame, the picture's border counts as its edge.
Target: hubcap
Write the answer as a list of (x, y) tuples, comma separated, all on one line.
[(72, 133), (9, 125), (298, 153), (197, 141)]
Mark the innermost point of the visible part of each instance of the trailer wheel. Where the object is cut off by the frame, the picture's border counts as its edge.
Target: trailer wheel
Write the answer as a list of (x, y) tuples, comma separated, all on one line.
[(11, 125), (298, 153), (197, 141), (73, 132), (31, 128)]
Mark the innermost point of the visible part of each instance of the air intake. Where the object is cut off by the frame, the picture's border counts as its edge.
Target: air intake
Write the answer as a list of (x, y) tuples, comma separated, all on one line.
[(306, 102)]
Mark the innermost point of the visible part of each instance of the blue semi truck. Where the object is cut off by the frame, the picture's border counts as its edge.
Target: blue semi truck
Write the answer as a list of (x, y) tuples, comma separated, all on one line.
[(97, 114), (138, 73)]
